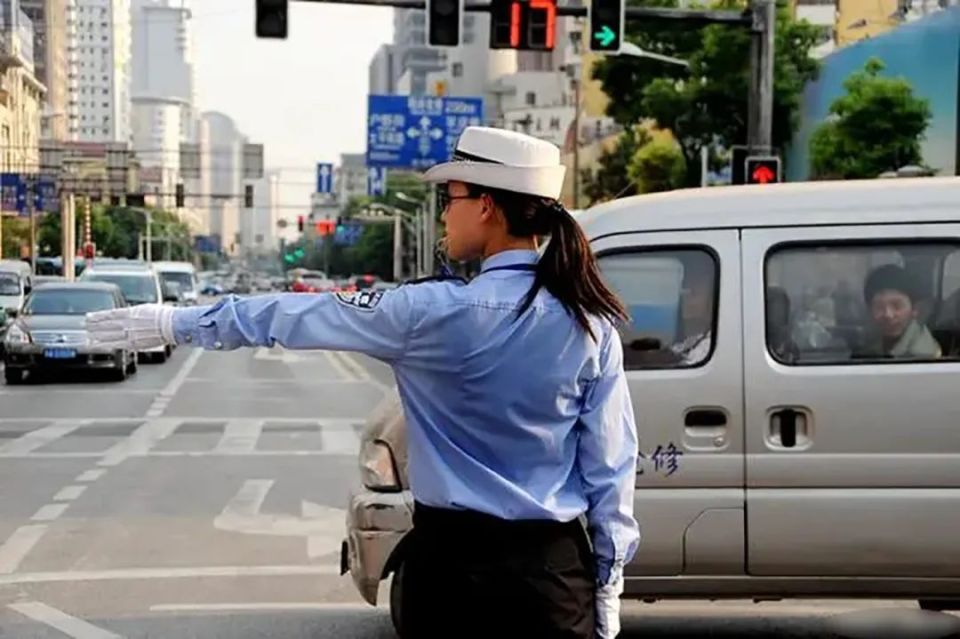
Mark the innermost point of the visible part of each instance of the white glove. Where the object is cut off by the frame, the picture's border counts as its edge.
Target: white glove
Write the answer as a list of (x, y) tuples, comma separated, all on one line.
[(136, 327), (608, 609)]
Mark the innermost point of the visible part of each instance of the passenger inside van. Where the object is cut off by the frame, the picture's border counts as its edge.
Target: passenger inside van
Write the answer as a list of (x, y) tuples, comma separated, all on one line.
[(779, 326), (697, 302), (890, 294)]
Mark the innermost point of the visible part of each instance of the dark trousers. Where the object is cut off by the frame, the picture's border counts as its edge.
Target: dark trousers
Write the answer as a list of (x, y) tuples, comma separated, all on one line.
[(469, 575)]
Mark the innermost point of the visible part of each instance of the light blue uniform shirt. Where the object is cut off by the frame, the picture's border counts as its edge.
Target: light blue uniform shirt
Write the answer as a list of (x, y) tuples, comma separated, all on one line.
[(519, 417)]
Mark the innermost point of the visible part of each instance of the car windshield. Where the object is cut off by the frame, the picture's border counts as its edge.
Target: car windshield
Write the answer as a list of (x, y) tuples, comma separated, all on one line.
[(185, 280), (67, 302), (9, 284), (137, 289)]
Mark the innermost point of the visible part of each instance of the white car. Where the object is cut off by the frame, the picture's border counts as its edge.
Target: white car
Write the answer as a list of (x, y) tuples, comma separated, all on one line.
[(140, 285), (184, 275)]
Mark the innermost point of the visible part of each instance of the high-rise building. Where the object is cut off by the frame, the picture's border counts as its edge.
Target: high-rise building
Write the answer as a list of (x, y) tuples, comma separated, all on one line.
[(415, 58), (266, 212), (162, 90), (384, 71), (224, 147), (351, 177), (99, 76), (50, 61), (22, 92)]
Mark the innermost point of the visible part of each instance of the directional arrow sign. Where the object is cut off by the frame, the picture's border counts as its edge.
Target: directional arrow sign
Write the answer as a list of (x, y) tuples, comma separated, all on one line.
[(762, 169), (605, 36), (324, 178), (321, 526)]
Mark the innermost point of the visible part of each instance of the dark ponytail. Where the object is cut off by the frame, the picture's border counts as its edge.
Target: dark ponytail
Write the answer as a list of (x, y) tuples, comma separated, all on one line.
[(567, 268)]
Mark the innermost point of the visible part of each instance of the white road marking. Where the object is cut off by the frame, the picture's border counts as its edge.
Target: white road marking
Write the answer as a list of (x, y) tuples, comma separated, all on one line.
[(49, 512), (322, 526), (41, 437), (69, 493), (266, 605), (18, 545), (340, 441), (276, 354), (67, 624), (175, 383), (195, 572), (339, 366), (249, 499), (240, 436), (91, 475), (140, 441)]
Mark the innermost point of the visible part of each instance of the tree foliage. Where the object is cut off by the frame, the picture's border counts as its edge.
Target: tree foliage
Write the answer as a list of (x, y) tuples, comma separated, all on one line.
[(876, 126), (658, 166), (611, 179), (706, 103)]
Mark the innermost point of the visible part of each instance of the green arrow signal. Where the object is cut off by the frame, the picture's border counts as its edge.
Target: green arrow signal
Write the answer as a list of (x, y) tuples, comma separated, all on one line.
[(605, 36)]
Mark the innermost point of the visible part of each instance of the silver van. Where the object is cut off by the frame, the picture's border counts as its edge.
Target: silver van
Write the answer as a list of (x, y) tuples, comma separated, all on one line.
[(792, 357)]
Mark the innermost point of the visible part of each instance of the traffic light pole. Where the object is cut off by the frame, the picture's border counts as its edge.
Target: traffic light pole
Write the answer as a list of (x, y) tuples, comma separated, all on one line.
[(760, 105)]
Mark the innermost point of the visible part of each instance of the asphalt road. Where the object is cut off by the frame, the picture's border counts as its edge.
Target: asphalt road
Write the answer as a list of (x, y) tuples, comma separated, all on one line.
[(150, 508)]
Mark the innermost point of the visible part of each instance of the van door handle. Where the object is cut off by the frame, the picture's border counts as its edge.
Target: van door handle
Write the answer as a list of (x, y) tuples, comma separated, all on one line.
[(705, 418), (788, 427)]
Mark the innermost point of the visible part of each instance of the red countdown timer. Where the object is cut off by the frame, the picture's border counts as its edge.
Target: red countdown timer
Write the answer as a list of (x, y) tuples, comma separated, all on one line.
[(523, 24)]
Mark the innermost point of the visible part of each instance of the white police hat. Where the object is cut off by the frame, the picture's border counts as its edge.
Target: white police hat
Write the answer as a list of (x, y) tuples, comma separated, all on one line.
[(504, 160)]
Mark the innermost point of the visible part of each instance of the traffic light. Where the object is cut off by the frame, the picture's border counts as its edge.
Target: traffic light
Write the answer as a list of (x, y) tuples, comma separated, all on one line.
[(444, 22), (763, 169), (272, 19), (300, 223), (523, 24), (606, 25), (180, 196), (248, 196)]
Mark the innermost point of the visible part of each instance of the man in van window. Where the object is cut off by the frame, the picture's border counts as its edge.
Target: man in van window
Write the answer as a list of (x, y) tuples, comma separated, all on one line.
[(890, 294), (697, 299)]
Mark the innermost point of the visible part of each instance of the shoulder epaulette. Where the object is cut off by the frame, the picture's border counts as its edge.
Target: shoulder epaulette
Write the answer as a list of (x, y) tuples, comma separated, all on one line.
[(436, 278)]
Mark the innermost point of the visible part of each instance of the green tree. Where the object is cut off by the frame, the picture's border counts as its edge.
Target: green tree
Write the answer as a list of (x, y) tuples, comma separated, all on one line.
[(877, 126), (707, 103), (611, 179), (657, 166)]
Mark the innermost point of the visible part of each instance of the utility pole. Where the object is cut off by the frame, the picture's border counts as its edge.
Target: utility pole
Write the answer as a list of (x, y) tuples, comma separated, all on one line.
[(31, 209), (397, 248), (760, 104), (68, 225)]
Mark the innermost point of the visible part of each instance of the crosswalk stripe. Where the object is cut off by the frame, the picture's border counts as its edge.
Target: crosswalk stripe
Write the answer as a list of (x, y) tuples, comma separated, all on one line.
[(343, 441), (140, 441), (42, 436), (67, 624), (240, 436)]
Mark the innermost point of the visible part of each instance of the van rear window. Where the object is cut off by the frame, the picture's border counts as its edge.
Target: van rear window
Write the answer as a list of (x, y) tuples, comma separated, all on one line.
[(863, 303)]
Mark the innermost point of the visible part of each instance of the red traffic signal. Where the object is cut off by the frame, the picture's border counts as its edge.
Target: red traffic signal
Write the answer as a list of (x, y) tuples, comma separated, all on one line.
[(763, 170), (300, 223), (89, 250)]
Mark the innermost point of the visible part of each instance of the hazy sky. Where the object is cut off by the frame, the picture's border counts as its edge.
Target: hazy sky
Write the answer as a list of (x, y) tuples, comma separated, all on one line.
[(304, 98)]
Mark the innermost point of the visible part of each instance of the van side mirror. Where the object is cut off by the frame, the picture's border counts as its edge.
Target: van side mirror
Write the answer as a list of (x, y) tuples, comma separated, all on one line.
[(12, 313)]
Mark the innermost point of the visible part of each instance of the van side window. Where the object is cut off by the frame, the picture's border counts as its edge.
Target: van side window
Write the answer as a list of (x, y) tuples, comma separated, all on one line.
[(671, 296), (863, 303)]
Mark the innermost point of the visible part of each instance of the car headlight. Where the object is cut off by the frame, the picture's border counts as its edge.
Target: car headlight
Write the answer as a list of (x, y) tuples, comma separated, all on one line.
[(16, 335), (377, 468)]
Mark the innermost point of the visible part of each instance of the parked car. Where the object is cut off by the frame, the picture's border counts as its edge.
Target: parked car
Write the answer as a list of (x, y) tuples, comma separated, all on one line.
[(793, 443), (49, 332), (139, 286)]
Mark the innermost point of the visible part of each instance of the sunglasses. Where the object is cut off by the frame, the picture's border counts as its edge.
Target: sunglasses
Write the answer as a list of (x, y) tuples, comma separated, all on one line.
[(444, 199)]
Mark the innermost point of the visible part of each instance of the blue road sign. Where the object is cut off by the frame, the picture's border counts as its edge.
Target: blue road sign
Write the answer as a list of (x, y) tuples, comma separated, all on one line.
[(376, 181), (348, 234), (324, 177), (416, 132)]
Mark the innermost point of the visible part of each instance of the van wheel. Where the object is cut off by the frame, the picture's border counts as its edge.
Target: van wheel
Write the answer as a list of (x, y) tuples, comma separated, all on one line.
[(12, 375), (396, 599), (938, 605)]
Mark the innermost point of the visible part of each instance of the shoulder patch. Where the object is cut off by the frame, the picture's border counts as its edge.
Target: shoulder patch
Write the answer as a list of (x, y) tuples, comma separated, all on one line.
[(362, 300)]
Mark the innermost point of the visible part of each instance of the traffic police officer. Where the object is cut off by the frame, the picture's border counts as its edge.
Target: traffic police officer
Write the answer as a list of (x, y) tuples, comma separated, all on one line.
[(519, 418)]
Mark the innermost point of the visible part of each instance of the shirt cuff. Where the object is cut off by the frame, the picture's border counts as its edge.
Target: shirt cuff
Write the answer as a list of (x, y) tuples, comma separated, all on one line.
[(184, 322), (609, 572)]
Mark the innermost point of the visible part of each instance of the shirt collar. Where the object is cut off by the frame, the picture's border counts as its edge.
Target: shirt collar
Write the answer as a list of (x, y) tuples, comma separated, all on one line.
[(509, 258)]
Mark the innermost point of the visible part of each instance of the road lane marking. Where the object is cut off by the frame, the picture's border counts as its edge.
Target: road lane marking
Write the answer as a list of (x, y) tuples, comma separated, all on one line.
[(195, 572), (266, 605), (49, 512), (67, 624), (18, 546), (276, 354), (240, 436), (140, 441), (249, 499), (91, 475), (42, 436), (340, 441), (175, 383), (69, 493), (338, 365)]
